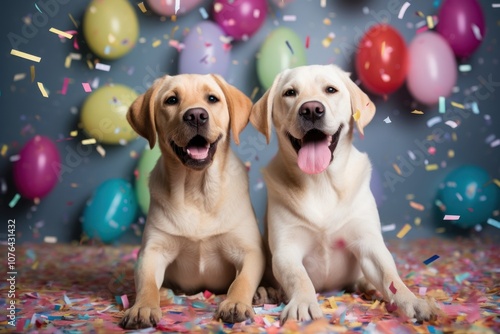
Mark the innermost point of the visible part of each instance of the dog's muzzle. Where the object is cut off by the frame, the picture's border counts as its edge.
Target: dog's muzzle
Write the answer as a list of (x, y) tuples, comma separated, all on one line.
[(315, 150)]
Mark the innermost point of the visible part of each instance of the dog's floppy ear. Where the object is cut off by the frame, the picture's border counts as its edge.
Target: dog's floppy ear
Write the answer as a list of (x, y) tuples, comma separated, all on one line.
[(141, 114), (362, 108), (262, 111), (239, 106)]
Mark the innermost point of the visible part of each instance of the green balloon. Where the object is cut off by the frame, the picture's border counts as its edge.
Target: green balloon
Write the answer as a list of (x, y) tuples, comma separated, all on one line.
[(282, 49), (146, 163)]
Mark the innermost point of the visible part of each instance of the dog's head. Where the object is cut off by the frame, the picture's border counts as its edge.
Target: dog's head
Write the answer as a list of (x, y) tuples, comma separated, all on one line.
[(312, 109), (191, 114)]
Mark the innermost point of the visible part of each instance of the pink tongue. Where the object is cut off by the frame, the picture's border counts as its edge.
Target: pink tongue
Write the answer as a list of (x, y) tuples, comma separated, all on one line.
[(197, 152), (314, 156)]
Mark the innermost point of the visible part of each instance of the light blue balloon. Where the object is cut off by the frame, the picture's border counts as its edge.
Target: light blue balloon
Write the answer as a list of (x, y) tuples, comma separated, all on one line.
[(110, 210), (468, 192)]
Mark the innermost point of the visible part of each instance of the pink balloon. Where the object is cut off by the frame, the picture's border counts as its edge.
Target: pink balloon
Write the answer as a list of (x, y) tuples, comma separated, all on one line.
[(432, 68), (167, 7), (37, 170), (461, 23), (240, 19)]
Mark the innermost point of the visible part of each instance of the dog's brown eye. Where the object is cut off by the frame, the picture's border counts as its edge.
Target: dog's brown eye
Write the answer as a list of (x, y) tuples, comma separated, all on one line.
[(290, 92), (212, 99), (171, 100), (330, 90)]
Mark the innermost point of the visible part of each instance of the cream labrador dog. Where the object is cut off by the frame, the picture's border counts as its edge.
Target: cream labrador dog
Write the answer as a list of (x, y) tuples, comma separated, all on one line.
[(323, 228), (201, 231)]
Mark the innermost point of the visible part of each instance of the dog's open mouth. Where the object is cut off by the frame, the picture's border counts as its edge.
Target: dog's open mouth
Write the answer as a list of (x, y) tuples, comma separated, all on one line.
[(315, 150), (198, 153)]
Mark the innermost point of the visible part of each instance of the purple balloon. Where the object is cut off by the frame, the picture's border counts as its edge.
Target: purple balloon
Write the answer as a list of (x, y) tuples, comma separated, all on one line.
[(240, 19), (37, 170), (204, 52), (461, 23), (432, 68)]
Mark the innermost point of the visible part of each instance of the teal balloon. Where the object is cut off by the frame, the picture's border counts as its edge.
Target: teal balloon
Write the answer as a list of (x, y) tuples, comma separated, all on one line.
[(282, 49), (110, 210), (146, 163), (468, 192)]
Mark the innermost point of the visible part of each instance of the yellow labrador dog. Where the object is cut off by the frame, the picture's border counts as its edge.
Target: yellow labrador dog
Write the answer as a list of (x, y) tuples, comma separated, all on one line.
[(201, 231), (322, 221)]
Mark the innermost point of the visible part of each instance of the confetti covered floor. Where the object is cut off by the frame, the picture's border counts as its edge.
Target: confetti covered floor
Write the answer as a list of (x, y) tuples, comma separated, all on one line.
[(83, 289)]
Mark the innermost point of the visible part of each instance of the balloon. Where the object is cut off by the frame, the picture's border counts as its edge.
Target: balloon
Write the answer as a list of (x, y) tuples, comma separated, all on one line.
[(240, 19), (381, 59), (461, 23), (167, 7), (377, 187), (110, 210), (38, 168), (146, 163), (432, 68), (104, 114), (469, 193), (204, 52), (110, 28), (282, 49)]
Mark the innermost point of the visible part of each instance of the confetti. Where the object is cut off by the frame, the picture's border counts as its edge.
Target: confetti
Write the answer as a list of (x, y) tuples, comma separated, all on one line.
[(451, 217), (422, 290), (404, 231), (203, 12), (465, 68), (403, 9), (433, 121), (289, 18), (477, 32), (73, 20), (102, 67), (125, 302), (495, 143), (61, 33), (32, 73), (101, 150), (289, 46), (431, 167), (461, 277), (308, 41), (451, 124), (86, 87), (42, 89), (25, 55), (417, 206), (397, 169), (64, 88), (156, 43), (89, 141), (4, 150), (387, 120), (457, 105), (393, 288), (387, 228), (142, 7), (442, 105), (430, 22), (356, 115), (493, 222), (19, 76), (495, 5), (417, 112), (431, 259), (50, 239), (14, 200)]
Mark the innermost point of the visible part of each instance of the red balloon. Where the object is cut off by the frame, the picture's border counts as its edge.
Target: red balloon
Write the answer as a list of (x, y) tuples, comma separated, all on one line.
[(381, 59), (38, 168)]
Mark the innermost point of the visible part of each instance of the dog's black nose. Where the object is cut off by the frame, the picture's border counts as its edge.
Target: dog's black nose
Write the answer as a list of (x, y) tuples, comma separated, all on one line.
[(196, 117), (312, 110)]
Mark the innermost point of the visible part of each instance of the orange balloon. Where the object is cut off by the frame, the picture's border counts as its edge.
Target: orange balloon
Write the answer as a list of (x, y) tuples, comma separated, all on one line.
[(381, 59)]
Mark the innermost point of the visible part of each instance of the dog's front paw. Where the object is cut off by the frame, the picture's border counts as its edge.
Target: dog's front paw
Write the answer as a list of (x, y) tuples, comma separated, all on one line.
[(232, 312), (421, 309), (304, 310), (141, 317)]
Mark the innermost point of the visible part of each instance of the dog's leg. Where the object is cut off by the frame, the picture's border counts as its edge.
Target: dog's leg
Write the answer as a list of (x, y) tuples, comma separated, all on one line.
[(379, 268), (293, 277), (237, 306), (149, 275)]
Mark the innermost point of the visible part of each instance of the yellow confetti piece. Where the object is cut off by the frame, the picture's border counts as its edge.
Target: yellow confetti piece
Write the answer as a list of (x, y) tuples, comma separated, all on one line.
[(89, 141), (254, 93), (417, 206), (397, 169), (430, 22), (142, 7), (375, 305), (451, 154), (431, 167), (34, 266), (333, 303), (60, 33), (457, 105), (497, 182), (326, 41), (404, 231), (101, 151), (156, 43), (73, 133), (327, 21), (356, 115), (74, 185), (417, 112), (25, 55), (417, 221), (73, 20), (67, 62), (440, 230), (50, 239), (4, 150), (454, 136), (42, 89), (32, 72), (410, 197)]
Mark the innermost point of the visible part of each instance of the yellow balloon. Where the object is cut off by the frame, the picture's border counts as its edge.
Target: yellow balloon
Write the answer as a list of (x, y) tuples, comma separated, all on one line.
[(110, 28), (104, 113)]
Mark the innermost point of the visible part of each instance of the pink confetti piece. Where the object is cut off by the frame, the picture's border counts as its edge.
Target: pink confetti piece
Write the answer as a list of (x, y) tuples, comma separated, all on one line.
[(422, 290), (451, 217), (393, 288), (125, 302), (64, 88), (102, 67), (86, 87), (308, 41)]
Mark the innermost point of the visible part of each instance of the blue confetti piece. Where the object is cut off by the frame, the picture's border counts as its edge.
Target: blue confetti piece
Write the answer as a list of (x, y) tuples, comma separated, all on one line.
[(461, 277), (289, 46), (118, 300), (493, 222), (67, 300), (199, 304), (36, 6), (203, 13), (442, 105), (475, 108), (14, 200), (431, 259)]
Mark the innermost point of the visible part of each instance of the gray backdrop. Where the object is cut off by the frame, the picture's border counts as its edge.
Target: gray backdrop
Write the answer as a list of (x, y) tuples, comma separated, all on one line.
[(25, 113)]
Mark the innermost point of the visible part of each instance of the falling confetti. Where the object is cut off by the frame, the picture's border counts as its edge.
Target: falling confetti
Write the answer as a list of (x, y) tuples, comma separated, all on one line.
[(25, 55), (401, 234)]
